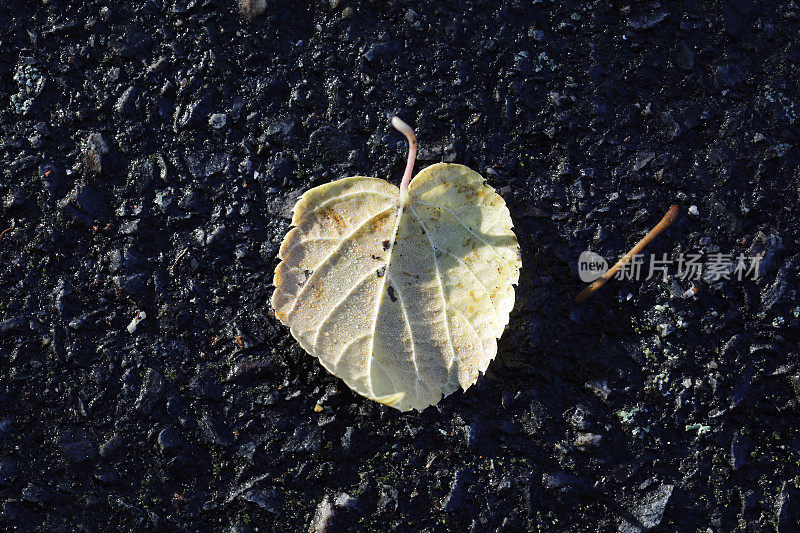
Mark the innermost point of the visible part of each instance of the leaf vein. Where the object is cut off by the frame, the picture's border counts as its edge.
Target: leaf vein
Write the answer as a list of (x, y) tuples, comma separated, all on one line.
[(347, 347), (474, 275), (330, 255), (441, 285), (492, 248), (410, 333), (305, 241), (475, 331), (344, 298), (382, 295), (340, 197)]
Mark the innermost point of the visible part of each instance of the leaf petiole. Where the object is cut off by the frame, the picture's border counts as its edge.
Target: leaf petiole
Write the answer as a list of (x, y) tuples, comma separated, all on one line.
[(406, 130)]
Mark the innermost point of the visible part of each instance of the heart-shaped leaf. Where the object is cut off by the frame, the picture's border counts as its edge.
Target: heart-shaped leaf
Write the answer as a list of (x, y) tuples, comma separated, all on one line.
[(404, 292)]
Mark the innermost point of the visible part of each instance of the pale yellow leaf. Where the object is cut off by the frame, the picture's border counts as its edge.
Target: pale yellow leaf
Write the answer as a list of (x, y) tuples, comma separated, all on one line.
[(403, 300)]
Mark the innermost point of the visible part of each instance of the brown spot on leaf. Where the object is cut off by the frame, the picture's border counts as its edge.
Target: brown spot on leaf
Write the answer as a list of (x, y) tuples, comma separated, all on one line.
[(307, 274), (380, 221), (330, 214)]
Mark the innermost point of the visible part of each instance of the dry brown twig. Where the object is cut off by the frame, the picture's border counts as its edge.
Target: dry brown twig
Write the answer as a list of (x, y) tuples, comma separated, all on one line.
[(175, 263), (665, 222)]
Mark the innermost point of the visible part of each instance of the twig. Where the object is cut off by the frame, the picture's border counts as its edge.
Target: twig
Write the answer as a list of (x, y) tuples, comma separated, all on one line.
[(175, 263), (6, 231), (666, 222)]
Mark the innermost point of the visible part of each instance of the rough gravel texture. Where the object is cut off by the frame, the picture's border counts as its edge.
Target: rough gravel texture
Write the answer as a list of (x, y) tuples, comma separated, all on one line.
[(150, 151)]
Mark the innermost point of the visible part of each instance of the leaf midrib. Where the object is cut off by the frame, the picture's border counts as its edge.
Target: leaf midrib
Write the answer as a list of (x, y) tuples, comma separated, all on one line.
[(382, 293)]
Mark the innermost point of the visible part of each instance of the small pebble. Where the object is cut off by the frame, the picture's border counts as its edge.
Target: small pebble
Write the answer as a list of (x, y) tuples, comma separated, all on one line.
[(218, 121), (141, 315)]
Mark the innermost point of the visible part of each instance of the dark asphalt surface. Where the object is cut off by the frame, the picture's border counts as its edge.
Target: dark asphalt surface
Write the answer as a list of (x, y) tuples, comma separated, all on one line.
[(151, 151)]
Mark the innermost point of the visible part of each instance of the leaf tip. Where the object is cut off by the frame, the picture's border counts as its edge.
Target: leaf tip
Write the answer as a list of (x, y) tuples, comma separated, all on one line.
[(392, 399)]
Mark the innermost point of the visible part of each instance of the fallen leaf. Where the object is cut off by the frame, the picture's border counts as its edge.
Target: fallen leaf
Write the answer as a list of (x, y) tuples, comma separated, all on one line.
[(402, 293)]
